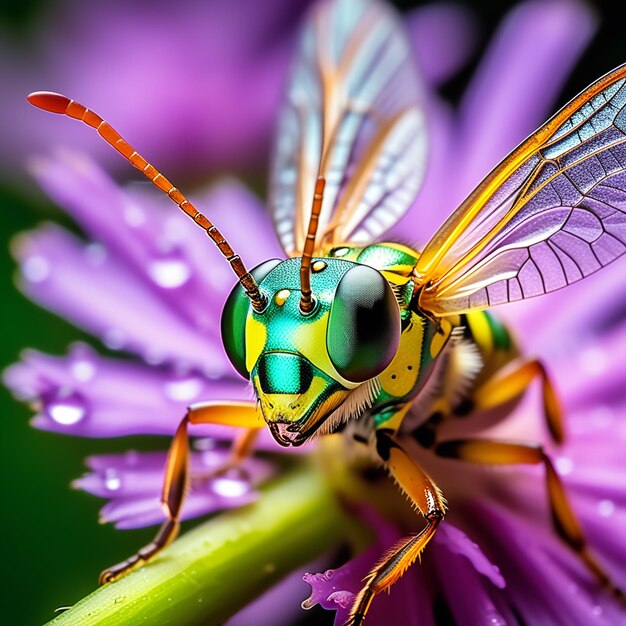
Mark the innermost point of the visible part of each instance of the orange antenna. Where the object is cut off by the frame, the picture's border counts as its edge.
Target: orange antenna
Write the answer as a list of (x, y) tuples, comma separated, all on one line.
[(306, 300), (56, 103)]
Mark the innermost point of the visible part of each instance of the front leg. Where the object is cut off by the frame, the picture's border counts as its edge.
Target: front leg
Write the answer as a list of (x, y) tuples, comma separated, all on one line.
[(425, 497), (238, 414)]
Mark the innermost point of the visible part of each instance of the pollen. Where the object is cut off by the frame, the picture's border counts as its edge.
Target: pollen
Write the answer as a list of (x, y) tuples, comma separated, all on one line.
[(281, 297)]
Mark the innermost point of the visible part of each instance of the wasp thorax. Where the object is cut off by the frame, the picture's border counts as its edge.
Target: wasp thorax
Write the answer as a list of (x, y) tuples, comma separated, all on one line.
[(304, 366)]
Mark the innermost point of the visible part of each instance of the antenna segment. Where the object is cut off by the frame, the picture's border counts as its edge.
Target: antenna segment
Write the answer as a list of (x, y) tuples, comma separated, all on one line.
[(306, 300), (56, 103)]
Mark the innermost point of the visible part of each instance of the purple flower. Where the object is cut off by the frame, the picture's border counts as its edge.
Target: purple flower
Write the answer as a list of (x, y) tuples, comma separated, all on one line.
[(145, 282), (196, 85)]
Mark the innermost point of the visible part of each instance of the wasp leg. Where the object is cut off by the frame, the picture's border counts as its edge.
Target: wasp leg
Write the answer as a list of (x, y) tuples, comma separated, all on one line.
[(566, 522), (511, 381), (426, 497), (238, 414)]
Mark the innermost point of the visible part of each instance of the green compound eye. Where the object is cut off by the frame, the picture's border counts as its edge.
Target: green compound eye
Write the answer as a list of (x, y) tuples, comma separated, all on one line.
[(364, 326), (234, 318)]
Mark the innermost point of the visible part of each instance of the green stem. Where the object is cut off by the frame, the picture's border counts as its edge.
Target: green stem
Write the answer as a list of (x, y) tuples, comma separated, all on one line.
[(217, 568)]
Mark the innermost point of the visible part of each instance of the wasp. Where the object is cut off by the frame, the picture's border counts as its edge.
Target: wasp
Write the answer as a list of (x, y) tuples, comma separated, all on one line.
[(350, 327)]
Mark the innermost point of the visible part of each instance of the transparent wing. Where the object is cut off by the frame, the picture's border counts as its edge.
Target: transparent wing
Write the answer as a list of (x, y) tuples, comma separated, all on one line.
[(352, 115), (553, 212)]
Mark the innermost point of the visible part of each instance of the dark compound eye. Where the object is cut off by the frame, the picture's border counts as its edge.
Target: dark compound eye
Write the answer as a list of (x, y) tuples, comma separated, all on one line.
[(364, 325), (234, 318)]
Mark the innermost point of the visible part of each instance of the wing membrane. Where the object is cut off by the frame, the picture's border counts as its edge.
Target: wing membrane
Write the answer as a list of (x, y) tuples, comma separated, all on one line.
[(353, 115), (553, 212)]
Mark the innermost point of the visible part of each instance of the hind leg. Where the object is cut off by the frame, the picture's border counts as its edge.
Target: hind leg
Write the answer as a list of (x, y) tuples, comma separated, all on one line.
[(488, 452)]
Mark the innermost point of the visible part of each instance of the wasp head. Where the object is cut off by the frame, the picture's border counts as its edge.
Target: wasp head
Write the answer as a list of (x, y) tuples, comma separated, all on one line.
[(305, 365)]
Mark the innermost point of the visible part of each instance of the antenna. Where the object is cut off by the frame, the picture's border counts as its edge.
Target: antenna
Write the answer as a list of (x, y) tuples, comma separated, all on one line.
[(306, 300), (56, 103)]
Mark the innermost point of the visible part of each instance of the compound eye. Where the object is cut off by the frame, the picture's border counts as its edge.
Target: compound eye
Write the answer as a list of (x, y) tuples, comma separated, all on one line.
[(234, 318), (364, 325)]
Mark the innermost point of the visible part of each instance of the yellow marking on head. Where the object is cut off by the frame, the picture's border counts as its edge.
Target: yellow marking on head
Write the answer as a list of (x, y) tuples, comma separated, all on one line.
[(281, 297), (318, 266), (256, 337), (401, 375)]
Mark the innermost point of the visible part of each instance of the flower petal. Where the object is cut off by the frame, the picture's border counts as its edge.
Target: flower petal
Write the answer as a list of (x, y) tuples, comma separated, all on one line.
[(133, 483), (87, 285), (443, 36)]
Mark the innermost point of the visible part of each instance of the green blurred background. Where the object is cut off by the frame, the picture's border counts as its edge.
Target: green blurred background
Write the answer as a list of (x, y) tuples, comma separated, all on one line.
[(53, 548)]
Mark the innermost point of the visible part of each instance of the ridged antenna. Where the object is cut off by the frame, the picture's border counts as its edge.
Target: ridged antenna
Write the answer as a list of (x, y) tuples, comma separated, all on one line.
[(56, 103), (306, 300)]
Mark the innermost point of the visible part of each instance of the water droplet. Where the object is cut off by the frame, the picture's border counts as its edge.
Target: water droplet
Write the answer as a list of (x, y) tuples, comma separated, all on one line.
[(211, 458), (606, 508), (114, 339), (95, 253), (83, 370), (132, 458), (593, 361), (36, 269), (204, 443), (200, 600), (229, 487), (183, 389), (601, 417), (119, 599), (112, 479), (170, 270), (134, 216), (66, 407), (564, 465), (154, 357)]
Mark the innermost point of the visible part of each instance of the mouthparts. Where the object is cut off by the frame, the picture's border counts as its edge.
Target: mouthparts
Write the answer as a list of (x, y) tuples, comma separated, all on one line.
[(285, 434)]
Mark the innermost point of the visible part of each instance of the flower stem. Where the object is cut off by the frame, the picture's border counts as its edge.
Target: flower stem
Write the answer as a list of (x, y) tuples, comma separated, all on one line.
[(217, 568)]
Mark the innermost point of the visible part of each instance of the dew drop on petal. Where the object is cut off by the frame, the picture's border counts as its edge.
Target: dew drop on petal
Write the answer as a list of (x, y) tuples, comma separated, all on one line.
[(112, 479), (154, 357), (564, 465), (183, 389), (204, 443), (66, 407), (593, 361), (229, 487), (342, 598), (170, 270), (95, 253), (601, 417), (606, 508), (83, 370), (211, 458), (36, 269), (134, 216), (132, 458), (114, 339)]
